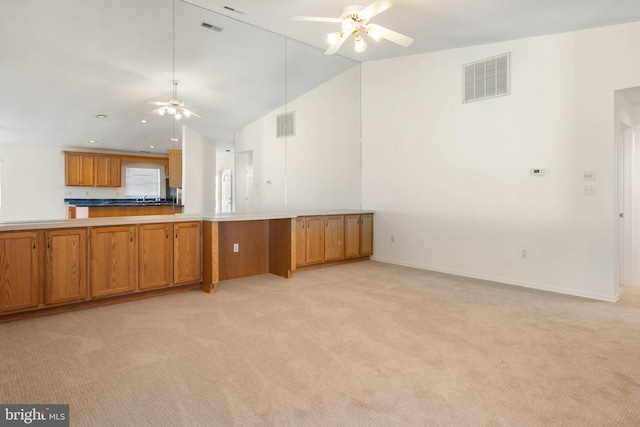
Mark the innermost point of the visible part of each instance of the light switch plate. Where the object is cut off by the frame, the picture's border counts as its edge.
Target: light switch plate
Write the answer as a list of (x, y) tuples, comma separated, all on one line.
[(589, 176), (236, 247)]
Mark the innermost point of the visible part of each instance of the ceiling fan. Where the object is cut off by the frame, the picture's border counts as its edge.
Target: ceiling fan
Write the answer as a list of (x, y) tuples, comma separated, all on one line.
[(355, 20), (174, 107)]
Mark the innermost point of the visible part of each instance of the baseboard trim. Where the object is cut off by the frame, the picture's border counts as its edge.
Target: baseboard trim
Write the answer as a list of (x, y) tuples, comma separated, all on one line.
[(537, 286)]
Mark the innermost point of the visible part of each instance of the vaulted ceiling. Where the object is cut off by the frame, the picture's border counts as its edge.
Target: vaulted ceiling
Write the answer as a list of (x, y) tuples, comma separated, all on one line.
[(64, 62)]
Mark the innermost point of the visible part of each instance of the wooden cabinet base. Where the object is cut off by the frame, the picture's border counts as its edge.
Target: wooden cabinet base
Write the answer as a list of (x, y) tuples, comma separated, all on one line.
[(46, 311), (330, 263)]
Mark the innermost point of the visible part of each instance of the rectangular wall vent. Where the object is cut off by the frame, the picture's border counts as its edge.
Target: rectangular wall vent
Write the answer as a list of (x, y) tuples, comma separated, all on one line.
[(286, 125), (211, 27), (488, 78), (234, 10)]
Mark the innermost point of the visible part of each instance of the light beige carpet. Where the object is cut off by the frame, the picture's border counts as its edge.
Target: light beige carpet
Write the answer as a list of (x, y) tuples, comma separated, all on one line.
[(354, 345)]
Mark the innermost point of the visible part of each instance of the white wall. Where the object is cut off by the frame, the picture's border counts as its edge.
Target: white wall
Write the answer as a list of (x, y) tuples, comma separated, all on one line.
[(322, 160), (451, 183), (32, 182), (198, 173), (268, 164)]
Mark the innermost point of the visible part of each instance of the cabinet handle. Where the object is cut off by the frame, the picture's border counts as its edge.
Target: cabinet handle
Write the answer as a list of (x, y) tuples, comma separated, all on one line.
[(176, 231), (326, 222), (308, 223), (34, 242), (166, 232), (49, 242), (130, 235)]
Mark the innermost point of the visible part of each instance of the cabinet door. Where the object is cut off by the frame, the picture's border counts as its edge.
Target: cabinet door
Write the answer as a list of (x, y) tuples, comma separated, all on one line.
[(66, 266), (107, 171), (19, 271), (155, 256), (315, 239), (366, 234), (175, 168), (187, 256), (333, 237), (114, 266), (78, 169), (301, 241), (351, 236)]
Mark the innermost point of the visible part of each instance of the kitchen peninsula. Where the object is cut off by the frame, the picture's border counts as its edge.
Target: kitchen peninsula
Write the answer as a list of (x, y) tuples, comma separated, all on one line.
[(55, 266), (100, 208)]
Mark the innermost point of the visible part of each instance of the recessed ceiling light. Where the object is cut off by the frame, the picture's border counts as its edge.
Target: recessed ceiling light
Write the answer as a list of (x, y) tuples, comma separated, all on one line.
[(101, 116), (143, 121), (175, 139), (228, 151), (92, 141), (152, 146)]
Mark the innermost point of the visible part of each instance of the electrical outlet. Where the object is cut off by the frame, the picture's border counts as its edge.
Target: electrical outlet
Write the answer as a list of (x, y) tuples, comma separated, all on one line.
[(86, 193), (589, 190), (523, 253), (589, 176), (66, 193), (116, 193), (236, 247)]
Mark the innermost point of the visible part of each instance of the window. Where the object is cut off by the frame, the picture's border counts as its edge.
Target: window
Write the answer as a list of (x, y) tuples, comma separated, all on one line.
[(142, 182)]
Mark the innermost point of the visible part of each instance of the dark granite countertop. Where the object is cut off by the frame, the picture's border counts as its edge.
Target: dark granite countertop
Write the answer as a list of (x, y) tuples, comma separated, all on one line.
[(81, 203)]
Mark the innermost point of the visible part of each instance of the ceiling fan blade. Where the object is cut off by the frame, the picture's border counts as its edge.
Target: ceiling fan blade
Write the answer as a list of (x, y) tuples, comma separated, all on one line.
[(337, 44), (156, 111), (190, 113), (392, 36), (156, 103), (315, 18), (375, 8)]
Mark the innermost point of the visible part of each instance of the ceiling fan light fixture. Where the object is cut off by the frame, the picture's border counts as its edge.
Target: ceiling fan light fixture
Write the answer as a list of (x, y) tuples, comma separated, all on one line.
[(334, 37), (359, 45), (348, 25)]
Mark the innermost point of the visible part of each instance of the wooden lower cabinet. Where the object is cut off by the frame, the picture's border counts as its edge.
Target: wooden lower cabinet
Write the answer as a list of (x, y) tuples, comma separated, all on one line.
[(20, 284), (170, 254), (312, 228), (66, 266), (187, 256), (358, 240), (366, 234), (351, 236), (155, 256), (114, 260), (333, 237)]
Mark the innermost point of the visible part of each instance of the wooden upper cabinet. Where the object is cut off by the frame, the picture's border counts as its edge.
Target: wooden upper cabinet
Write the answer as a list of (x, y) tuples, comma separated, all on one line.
[(79, 169), (20, 284), (366, 234), (351, 236), (187, 254), (175, 168), (66, 266), (107, 170), (155, 256), (315, 239), (114, 260), (333, 237)]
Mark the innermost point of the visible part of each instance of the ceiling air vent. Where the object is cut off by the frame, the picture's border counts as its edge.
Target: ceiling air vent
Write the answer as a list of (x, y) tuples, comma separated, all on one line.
[(234, 10), (286, 125), (486, 79), (211, 27)]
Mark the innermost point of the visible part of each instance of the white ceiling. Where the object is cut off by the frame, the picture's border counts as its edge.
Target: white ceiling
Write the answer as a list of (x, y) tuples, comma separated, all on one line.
[(63, 62), (434, 24)]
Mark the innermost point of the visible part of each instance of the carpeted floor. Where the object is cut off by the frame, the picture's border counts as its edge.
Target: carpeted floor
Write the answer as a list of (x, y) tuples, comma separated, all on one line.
[(354, 345)]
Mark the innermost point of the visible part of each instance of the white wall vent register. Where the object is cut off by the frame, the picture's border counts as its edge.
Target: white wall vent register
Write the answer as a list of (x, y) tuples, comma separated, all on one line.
[(286, 125), (488, 78)]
